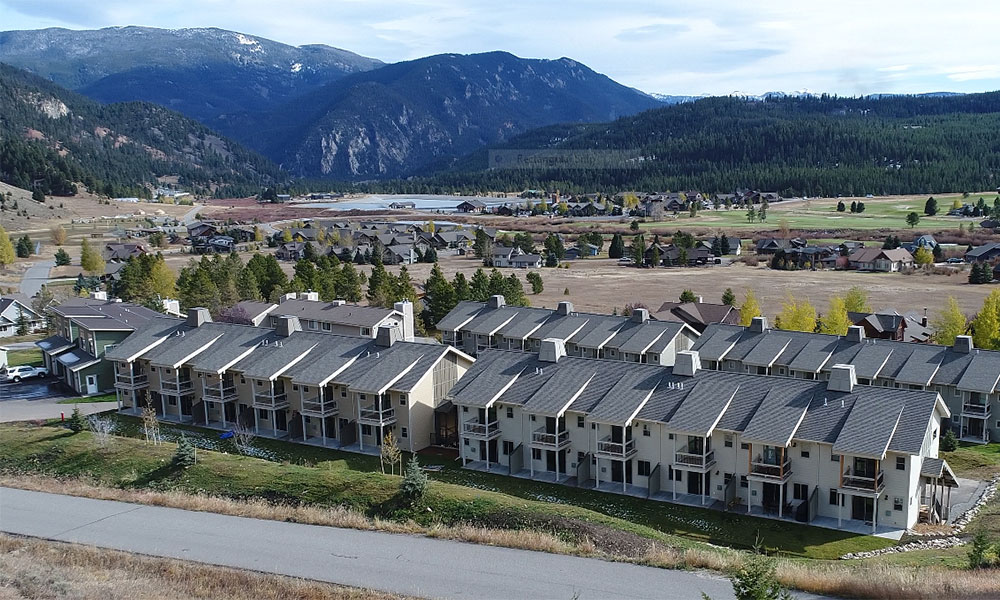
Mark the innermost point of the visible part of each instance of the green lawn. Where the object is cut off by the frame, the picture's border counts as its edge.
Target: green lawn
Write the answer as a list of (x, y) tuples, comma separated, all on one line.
[(977, 461), (86, 399), (31, 356), (300, 473)]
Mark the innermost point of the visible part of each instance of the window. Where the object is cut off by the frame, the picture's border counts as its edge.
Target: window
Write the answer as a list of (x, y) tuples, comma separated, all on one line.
[(900, 463), (510, 412), (833, 497), (308, 420), (645, 430), (670, 436), (536, 454), (677, 475), (366, 430), (465, 441), (800, 491), (580, 456), (365, 332), (343, 392), (532, 418), (897, 504), (402, 400), (295, 388), (744, 482), (726, 478), (728, 440), (465, 409), (643, 467), (261, 413), (312, 324), (402, 432), (580, 421), (744, 446), (507, 447), (835, 457), (327, 327), (804, 453)]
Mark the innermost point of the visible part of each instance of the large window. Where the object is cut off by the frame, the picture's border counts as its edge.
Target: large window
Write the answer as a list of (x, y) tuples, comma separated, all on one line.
[(643, 468)]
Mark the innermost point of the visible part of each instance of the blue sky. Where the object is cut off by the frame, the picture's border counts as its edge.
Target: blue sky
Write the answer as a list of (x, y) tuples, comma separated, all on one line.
[(685, 47)]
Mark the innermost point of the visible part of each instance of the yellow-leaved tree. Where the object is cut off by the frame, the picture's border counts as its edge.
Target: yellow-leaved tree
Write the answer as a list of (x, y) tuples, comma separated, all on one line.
[(796, 316), (986, 325), (835, 321), (923, 256), (90, 259), (749, 309), (856, 300), (6, 248), (948, 323)]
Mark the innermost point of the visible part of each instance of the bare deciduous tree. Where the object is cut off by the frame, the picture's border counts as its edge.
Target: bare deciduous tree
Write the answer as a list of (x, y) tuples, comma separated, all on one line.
[(102, 428), (150, 425), (390, 453), (243, 438)]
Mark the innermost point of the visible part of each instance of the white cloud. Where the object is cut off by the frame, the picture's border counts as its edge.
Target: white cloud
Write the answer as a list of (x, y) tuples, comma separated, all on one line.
[(667, 46)]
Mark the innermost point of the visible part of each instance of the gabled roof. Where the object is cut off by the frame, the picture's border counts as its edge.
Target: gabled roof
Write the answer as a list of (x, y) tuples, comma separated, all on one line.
[(459, 316), (868, 429), (982, 374), (778, 416), (703, 407), (144, 339)]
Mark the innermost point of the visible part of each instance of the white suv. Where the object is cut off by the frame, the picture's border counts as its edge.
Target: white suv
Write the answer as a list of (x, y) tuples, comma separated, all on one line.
[(16, 374)]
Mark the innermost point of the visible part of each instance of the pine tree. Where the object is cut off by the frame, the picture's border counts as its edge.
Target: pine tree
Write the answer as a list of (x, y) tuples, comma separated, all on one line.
[(514, 291), (24, 247), (62, 258), (930, 207), (537, 287), (638, 248), (378, 283), (617, 247), (414, 484), (439, 298), (724, 245), (185, 456), (76, 422), (350, 283), (688, 296), (728, 297), (246, 285), (749, 309), (461, 286), (479, 286)]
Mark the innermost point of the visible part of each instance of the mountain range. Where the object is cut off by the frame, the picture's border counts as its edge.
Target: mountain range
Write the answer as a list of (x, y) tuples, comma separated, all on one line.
[(321, 111)]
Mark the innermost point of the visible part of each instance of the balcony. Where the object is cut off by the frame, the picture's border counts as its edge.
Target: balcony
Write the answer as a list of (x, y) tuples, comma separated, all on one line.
[(610, 449), (377, 416), (314, 407), (863, 483), (485, 431), (175, 386), (221, 392), (124, 381), (763, 470), (268, 399), (689, 460), (542, 438), (976, 410)]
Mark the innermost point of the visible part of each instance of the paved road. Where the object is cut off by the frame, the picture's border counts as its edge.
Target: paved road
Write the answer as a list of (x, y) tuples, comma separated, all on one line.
[(35, 277), (397, 563)]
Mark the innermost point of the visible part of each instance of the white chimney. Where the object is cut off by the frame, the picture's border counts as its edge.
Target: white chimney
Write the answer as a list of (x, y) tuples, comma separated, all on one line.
[(196, 317), (856, 334), (288, 296), (99, 295), (687, 364), (386, 336), (496, 301), (640, 315), (842, 379), (758, 324), (406, 309), (963, 344), (287, 325), (552, 350), (564, 308), (310, 295)]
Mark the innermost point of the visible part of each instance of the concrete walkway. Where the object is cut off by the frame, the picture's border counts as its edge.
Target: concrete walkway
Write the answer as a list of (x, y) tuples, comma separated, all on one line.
[(400, 564), (35, 277)]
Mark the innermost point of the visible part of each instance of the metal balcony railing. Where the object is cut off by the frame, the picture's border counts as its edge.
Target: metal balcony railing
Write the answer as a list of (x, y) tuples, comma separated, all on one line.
[(377, 416), (477, 429), (318, 408), (540, 437), (219, 392), (689, 459), (267, 399), (607, 447), (974, 409), (761, 468), (135, 381), (863, 483)]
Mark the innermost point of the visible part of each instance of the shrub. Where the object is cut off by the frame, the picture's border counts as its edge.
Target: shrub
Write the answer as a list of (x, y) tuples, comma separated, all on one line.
[(414, 482), (185, 455), (977, 550), (76, 423), (949, 441), (756, 580)]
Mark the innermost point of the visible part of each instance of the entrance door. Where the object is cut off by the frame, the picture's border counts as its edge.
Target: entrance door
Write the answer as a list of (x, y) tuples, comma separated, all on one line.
[(492, 451), (550, 460), (771, 497), (862, 509), (695, 485), (91, 384), (619, 469), (186, 406), (280, 422)]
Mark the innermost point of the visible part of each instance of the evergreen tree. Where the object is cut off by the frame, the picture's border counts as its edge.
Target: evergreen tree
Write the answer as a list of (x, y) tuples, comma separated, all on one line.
[(728, 297), (854, 207), (246, 285), (861, 207), (414, 484), (22, 323), (938, 253), (514, 291), (840, 206), (912, 219), (930, 207), (349, 283), (554, 245), (76, 422), (309, 252), (24, 247), (185, 456), (479, 286), (38, 195), (638, 250), (62, 258), (196, 289), (431, 255), (497, 283), (551, 260), (654, 256), (688, 296), (537, 287), (617, 247), (439, 297), (461, 286), (378, 283), (7, 254)]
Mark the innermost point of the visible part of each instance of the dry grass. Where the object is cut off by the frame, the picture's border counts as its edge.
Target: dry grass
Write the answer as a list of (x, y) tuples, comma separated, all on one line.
[(42, 569), (856, 579)]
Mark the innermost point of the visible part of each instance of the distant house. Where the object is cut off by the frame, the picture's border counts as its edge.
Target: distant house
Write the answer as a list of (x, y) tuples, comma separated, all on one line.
[(892, 326), (698, 315), (11, 309), (735, 244), (403, 205), (472, 206), (400, 254), (881, 260), (122, 252), (984, 253), (503, 256), (924, 241), (990, 224), (290, 251), (772, 245), (526, 261)]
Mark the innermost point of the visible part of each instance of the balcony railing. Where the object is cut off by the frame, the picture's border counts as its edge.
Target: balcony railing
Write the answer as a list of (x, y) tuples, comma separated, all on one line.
[(175, 386), (267, 399), (768, 470), (863, 483), (606, 447), (314, 407), (377, 416), (221, 392), (973, 409), (474, 428), (124, 381), (540, 437), (699, 461)]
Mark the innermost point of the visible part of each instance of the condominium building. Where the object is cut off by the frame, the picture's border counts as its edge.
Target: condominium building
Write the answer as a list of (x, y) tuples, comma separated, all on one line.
[(326, 389), (832, 452), (968, 379), (336, 317), (477, 326), (84, 330)]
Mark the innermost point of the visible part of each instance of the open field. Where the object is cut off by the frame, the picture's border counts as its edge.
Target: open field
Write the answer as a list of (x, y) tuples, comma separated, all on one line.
[(43, 569), (31, 356), (600, 285)]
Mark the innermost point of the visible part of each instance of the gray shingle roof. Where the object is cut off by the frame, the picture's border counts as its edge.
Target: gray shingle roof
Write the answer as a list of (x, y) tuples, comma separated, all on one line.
[(460, 315), (331, 356), (182, 345), (778, 416), (236, 341), (597, 331), (270, 361), (982, 374), (143, 338), (716, 341), (489, 322), (57, 343), (921, 366), (527, 322), (703, 406), (869, 428), (814, 355), (559, 391), (870, 360), (633, 388), (346, 314), (562, 327), (380, 368), (765, 352)]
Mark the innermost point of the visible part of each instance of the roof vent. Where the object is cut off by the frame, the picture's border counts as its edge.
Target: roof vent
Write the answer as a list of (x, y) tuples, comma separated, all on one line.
[(687, 363), (758, 324), (640, 315), (564, 308), (856, 334), (287, 325), (842, 379), (963, 344), (496, 301), (387, 335), (552, 350)]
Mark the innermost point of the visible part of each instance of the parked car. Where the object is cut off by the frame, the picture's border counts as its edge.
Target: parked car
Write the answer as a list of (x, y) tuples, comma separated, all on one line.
[(16, 374), (955, 260)]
